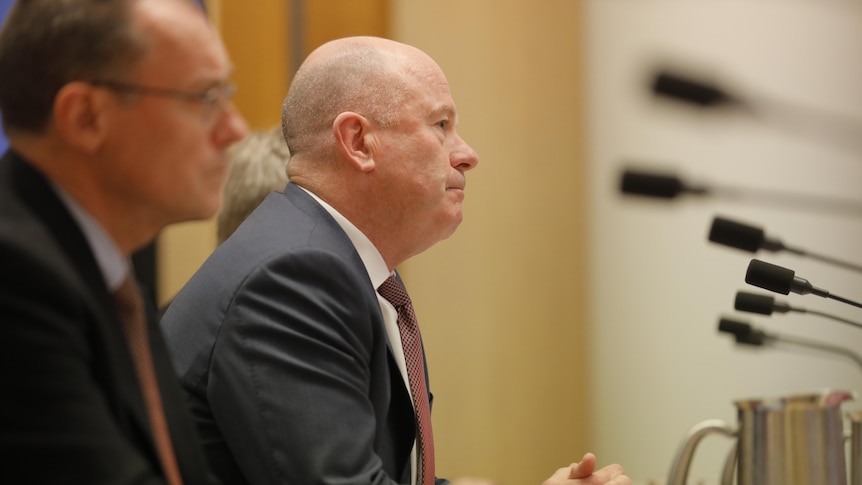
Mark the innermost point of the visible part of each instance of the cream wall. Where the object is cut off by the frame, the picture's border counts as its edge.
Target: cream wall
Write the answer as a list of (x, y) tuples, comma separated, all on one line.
[(657, 286), (502, 302)]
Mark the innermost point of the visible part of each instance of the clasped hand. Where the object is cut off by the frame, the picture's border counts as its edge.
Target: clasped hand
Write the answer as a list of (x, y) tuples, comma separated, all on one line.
[(581, 473)]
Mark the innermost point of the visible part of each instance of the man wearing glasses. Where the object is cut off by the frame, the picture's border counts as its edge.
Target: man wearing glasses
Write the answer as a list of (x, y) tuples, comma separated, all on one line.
[(118, 116)]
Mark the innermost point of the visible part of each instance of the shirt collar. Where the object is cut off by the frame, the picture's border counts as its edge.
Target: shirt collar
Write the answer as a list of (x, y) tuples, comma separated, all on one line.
[(113, 265), (371, 258)]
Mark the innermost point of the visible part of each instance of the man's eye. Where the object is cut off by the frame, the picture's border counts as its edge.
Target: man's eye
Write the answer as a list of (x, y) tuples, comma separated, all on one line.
[(443, 124)]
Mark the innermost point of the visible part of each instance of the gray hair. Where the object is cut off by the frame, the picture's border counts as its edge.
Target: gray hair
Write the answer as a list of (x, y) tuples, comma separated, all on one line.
[(359, 78), (256, 169)]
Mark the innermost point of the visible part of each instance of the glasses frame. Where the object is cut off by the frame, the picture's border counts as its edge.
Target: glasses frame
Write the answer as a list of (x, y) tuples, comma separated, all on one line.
[(212, 97)]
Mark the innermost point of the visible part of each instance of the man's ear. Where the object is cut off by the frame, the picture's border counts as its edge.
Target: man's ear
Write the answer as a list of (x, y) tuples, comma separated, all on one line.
[(79, 117), (354, 138)]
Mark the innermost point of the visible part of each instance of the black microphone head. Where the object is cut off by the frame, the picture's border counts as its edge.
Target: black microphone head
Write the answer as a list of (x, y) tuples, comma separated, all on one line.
[(734, 327), (742, 332), (754, 303), (736, 235), (650, 184), (769, 276), (755, 338), (689, 90)]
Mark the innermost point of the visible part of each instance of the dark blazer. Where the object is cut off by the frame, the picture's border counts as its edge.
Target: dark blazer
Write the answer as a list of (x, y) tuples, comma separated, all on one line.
[(71, 410), (281, 347)]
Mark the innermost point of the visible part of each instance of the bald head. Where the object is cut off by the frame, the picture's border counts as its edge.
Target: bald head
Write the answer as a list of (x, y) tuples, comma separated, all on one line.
[(366, 75), (371, 127)]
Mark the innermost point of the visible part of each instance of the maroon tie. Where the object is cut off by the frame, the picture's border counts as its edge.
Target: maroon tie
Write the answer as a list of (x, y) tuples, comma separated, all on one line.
[(131, 308), (396, 294)]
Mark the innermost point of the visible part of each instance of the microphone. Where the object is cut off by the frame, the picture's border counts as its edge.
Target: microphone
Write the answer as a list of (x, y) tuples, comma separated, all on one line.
[(751, 238), (652, 184), (668, 186), (766, 305), (782, 280), (690, 90), (745, 334), (705, 94), (762, 304)]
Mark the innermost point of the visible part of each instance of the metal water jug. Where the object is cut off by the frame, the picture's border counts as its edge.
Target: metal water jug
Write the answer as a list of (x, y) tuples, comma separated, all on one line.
[(791, 440)]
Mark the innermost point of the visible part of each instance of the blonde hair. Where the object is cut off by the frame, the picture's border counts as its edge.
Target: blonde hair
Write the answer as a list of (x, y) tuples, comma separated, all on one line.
[(256, 169)]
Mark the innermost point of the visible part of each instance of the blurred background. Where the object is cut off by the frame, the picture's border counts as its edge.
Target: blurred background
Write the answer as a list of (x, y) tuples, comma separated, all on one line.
[(656, 285), (563, 316)]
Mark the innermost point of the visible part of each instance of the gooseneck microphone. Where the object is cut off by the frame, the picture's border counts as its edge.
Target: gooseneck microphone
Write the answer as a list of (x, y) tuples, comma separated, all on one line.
[(659, 185), (745, 334), (668, 186), (691, 91), (752, 239), (766, 305), (703, 93), (782, 280), (757, 303), (742, 236)]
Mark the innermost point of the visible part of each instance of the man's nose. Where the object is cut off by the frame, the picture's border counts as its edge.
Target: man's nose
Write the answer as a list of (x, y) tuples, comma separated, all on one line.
[(464, 157), (232, 128)]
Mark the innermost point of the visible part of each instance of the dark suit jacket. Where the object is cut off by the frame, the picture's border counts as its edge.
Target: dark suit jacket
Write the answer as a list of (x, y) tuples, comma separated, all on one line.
[(281, 347), (71, 410)]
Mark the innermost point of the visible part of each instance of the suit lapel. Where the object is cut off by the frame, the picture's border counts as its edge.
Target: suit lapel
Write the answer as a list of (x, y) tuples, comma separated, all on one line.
[(33, 189), (401, 418)]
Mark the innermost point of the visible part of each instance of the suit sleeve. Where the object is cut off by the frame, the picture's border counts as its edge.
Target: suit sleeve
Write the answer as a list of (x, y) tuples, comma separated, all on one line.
[(289, 383), (57, 424)]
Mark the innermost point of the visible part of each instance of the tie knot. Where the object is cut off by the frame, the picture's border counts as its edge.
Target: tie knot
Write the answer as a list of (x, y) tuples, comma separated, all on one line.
[(394, 292)]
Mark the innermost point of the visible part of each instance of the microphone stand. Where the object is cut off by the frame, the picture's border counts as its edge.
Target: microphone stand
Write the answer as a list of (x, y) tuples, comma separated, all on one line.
[(815, 122), (812, 344), (668, 186), (751, 239), (782, 280), (745, 334), (766, 305)]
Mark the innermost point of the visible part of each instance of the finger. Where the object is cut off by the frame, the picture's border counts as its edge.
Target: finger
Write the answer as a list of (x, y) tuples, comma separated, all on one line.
[(473, 481), (561, 474), (610, 473), (584, 468), (620, 480)]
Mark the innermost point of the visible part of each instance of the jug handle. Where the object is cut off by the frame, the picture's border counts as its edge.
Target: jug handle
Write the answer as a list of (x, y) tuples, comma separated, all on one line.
[(682, 459)]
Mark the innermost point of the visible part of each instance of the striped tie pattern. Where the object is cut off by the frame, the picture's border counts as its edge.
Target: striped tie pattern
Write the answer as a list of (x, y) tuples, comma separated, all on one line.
[(395, 293)]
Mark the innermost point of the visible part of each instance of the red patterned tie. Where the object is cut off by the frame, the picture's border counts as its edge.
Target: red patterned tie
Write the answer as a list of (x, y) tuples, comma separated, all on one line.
[(131, 307), (396, 294)]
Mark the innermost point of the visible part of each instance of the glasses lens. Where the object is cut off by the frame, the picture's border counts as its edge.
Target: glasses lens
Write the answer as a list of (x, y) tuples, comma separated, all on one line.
[(216, 99)]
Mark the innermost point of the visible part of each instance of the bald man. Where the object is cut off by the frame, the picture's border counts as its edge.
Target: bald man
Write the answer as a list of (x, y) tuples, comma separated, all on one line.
[(299, 364)]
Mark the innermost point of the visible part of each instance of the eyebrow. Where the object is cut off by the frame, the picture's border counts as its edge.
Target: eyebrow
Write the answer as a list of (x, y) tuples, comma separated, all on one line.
[(444, 108), (211, 81)]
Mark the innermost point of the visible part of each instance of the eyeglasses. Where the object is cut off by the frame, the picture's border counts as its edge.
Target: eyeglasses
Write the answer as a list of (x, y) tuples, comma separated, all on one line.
[(213, 98)]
